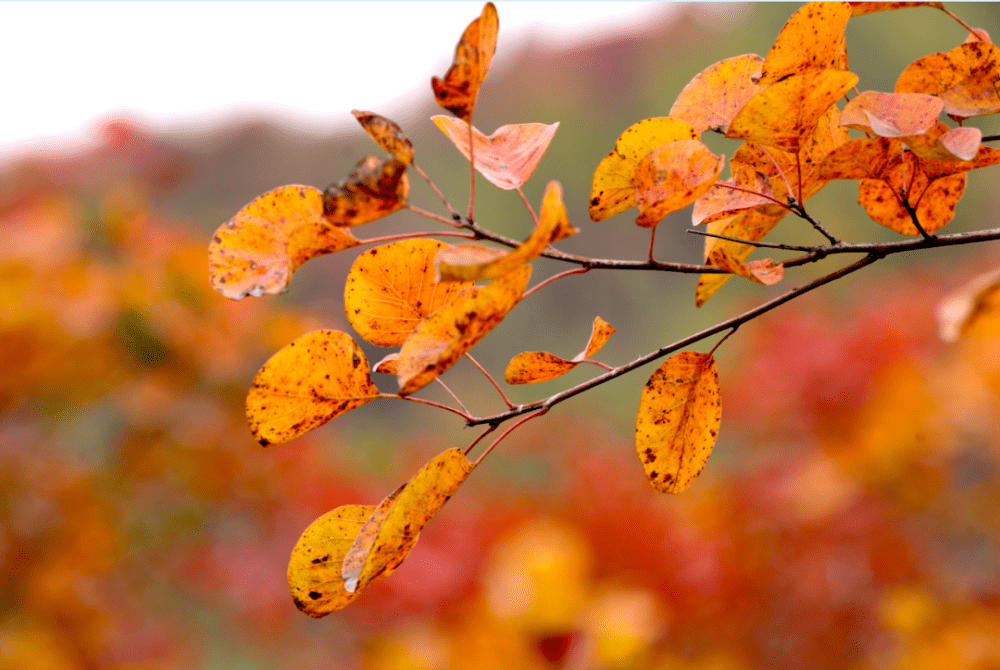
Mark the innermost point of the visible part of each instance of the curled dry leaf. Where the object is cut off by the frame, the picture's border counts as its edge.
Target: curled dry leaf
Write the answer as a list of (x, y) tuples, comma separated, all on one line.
[(384, 542), (673, 176), (509, 156), (712, 99), (614, 184), (458, 90), (257, 250), (972, 309), (390, 289), (752, 225), (388, 365), (765, 272), (787, 113), (810, 40), (315, 567), (375, 188), (317, 377), (967, 79), (753, 189), (679, 416), (553, 213), (862, 8), (387, 133), (532, 367), (892, 114), (440, 340)]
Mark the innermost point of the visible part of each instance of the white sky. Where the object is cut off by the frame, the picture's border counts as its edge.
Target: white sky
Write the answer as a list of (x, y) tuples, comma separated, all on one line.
[(191, 65)]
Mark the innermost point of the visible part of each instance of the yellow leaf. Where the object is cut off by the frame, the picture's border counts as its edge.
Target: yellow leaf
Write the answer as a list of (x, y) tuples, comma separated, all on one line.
[(387, 133), (613, 188), (509, 156), (967, 79), (972, 309), (752, 225), (553, 212), (257, 250), (532, 367), (415, 504), (375, 188), (354, 559), (440, 340), (678, 420), (809, 41), (458, 90), (390, 289), (315, 567), (317, 377), (600, 332), (673, 176), (765, 272), (892, 114), (712, 99), (785, 114)]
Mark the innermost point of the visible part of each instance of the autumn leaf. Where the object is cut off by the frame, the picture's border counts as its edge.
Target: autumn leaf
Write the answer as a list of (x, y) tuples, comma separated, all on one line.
[(553, 213), (967, 79), (440, 340), (753, 189), (765, 272), (532, 367), (375, 188), (388, 135), (257, 250), (317, 377), (933, 200), (752, 225), (388, 365), (392, 288), (892, 114), (509, 156), (712, 99), (458, 91), (945, 144), (973, 309), (614, 184), (810, 40), (862, 158), (862, 8), (785, 114), (679, 415), (673, 176), (316, 565), (412, 508)]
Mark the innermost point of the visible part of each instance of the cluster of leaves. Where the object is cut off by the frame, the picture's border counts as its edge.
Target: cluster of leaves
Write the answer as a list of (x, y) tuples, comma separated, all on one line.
[(422, 295)]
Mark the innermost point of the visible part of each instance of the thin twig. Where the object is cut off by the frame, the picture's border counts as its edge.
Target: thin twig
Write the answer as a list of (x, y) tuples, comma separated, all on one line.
[(766, 245), (465, 415), (455, 397), (508, 432), (751, 192), (490, 377), (597, 363), (528, 205), (800, 211), (407, 236), (489, 429), (456, 217), (913, 215), (436, 217), (990, 138), (961, 23), (723, 339), (575, 271)]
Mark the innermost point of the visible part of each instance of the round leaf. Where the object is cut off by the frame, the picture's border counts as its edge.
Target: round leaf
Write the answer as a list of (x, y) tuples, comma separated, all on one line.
[(672, 177), (716, 94), (810, 40)]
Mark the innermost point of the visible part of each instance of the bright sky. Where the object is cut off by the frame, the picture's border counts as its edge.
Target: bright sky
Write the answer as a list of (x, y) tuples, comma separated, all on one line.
[(192, 65)]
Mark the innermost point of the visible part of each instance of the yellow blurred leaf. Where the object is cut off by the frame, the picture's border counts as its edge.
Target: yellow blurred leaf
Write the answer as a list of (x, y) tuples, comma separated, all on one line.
[(678, 420), (753, 189), (316, 565), (810, 40), (387, 133), (600, 332), (532, 367), (892, 114), (613, 188), (673, 176), (967, 79), (413, 506), (440, 340), (257, 250), (458, 90), (972, 309), (553, 212), (712, 99), (390, 289), (317, 377), (375, 188), (509, 156), (786, 113)]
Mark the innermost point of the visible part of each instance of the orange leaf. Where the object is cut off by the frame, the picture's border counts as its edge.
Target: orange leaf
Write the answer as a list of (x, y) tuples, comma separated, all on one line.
[(765, 272), (785, 114), (388, 365), (672, 177), (974, 309), (810, 40), (679, 415), (945, 144), (257, 250), (375, 188), (533, 367), (406, 513), (863, 158), (967, 79), (712, 99), (390, 289), (752, 225), (614, 183), (458, 90), (600, 332), (319, 376), (720, 202), (862, 8), (440, 340), (892, 114), (509, 156), (934, 201), (387, 133), (315, 567), (553, 213)]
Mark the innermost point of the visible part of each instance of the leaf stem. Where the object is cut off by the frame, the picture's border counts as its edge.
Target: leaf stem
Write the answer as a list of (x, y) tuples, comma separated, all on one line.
[(913, 215), (528, 205), (455, 397), (575, 271), (489, 429), (472, 170), (961, 23), (465, 415), (432, 215), (492, 381), (766, 245), (455, 216), (746, 190), (508, 432), (597, 363), (406, 236)]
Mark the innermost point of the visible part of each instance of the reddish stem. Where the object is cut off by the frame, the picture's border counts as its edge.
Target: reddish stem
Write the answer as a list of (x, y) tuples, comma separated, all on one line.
[(454, 215), (464, 415), (652, 240), (406, 236), (598, 363), (528, 205), (492, 381), (431, 215), (724, 338), (489, 429), (762, 195), (961, 23), (455, 397), (508, 431), (575, 271)]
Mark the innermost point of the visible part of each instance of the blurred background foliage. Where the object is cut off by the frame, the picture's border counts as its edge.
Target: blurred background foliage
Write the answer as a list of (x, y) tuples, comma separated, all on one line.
[(847, 519)]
